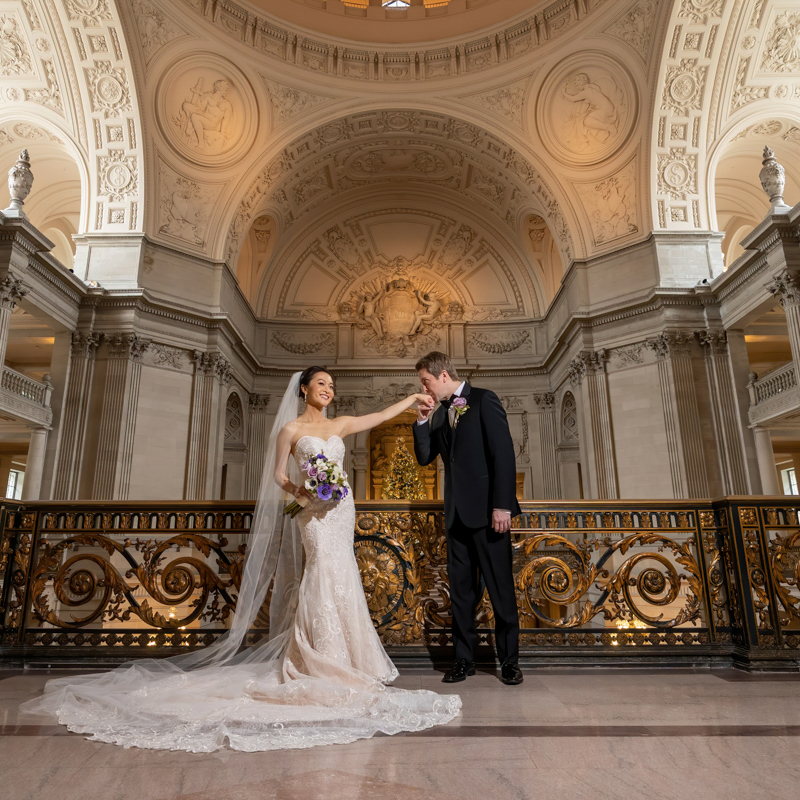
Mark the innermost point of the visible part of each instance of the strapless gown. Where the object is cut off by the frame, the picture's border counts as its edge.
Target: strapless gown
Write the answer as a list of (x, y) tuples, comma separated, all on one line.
[(328, 686)]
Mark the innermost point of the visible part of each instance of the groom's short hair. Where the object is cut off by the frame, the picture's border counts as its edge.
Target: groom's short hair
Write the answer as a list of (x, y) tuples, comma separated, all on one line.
[(436, 363)]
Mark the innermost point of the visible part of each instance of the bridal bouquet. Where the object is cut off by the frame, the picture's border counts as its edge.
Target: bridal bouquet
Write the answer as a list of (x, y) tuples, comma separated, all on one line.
[(325, 478)]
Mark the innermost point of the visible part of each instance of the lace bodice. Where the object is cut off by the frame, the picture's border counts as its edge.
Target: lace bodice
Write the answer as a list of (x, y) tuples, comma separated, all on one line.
[(307, 446)]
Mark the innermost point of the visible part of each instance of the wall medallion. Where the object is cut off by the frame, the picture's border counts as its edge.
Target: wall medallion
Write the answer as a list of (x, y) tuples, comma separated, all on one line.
[(586, 109), (206, 110)]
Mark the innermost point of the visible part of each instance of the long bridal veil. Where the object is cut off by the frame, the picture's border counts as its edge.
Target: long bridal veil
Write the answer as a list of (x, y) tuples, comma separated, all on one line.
[(273, 557), (245, 697)]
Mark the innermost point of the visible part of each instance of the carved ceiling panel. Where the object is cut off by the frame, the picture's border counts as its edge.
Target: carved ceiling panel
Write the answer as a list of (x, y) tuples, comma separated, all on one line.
[(399, 275), (395, 149)]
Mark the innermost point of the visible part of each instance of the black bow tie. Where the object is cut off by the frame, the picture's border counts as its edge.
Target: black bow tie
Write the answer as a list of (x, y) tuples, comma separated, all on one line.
[(448, 402)]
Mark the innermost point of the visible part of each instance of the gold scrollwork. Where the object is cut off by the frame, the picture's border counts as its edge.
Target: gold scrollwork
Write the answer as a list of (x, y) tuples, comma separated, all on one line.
[(75, 581), (562, 580), (785, 573)]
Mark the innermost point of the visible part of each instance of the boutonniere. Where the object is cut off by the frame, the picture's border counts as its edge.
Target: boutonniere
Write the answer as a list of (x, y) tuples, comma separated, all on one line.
[(460, 405)]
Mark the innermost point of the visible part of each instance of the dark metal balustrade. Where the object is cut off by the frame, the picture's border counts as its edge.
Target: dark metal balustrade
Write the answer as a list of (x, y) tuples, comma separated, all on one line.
[(597, 582)]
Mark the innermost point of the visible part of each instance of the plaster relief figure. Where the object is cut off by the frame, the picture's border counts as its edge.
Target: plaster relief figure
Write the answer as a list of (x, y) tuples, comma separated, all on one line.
[(206, 116), (368, 309), (594, 116), (183, 210), (430, 308)]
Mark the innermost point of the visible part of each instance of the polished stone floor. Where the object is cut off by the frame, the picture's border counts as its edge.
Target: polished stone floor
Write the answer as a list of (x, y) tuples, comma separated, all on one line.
[(570, 734)]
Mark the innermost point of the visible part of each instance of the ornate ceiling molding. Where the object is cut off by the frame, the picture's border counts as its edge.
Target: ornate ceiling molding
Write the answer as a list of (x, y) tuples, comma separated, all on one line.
[(394, 63), (411, 148)]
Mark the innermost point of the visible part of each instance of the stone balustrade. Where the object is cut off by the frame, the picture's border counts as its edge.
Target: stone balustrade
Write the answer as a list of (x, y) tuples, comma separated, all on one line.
[(19, 384), (775, 394)]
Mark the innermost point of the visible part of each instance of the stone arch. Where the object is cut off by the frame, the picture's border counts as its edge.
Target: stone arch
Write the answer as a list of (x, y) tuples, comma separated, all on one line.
[(298, 165), (720, 70), (365, 232), (737, 203), (58, 204)]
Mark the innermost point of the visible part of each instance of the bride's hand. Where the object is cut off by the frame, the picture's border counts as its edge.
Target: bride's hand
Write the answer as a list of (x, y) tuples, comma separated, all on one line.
[(301, 491), (425, 404)]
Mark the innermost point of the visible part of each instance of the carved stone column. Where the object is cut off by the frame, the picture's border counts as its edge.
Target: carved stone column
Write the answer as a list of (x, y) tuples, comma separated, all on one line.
[(69, 457), (112, 474), (548, 441), (786, 289), (34, 466), (766, 461), (588, 371), (259, 434), (727, 430), (681, 414), (12, 291), (211, 372)]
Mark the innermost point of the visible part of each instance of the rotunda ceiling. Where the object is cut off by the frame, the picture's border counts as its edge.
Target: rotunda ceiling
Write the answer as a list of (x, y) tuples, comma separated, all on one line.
[(410, 21)]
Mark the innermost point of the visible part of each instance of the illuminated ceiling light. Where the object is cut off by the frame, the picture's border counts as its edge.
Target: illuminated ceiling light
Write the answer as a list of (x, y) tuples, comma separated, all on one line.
[(396, 3)]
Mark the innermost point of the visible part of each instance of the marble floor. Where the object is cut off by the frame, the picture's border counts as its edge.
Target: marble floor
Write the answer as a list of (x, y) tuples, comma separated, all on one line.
[(571, 734)]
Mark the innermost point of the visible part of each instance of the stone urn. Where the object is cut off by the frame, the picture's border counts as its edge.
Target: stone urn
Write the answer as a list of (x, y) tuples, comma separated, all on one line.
[(773, 179), (20, 180)]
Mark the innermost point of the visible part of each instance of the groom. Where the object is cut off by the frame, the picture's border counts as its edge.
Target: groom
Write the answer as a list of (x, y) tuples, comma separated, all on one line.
[(470, 432)]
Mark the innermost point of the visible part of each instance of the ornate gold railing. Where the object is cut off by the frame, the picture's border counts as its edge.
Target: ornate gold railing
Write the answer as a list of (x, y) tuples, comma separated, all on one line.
[(634, 580)]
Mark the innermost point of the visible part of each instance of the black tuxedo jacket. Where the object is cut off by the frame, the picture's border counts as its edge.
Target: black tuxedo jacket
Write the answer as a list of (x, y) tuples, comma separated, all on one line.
[(478, 456)]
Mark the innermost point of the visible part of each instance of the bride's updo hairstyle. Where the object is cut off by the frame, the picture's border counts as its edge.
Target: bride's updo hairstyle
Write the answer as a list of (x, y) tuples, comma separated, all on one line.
[(309, 373)]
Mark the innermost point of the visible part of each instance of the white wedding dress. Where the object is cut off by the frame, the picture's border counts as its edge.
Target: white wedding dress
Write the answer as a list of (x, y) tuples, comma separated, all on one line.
[(326, 688)]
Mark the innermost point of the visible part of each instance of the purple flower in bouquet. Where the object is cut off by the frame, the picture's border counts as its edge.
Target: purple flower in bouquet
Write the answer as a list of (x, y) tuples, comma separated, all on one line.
[(324, 491), (312, 472)]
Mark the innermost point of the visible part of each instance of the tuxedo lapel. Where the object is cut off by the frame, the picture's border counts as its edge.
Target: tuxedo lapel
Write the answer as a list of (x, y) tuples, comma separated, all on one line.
[(465, 395)]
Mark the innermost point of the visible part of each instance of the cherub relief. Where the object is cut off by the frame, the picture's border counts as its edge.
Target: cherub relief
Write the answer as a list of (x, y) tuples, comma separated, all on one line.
[(431, 305), (368, 309)]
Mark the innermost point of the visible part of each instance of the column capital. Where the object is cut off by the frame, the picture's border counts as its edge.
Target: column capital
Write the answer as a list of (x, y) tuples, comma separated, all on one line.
[(213, 365), (785, 287), (715, 343), (587, 363), (670, 344), (84, 345), (127, 345), (258, 402), (545, 402), (12, 290)]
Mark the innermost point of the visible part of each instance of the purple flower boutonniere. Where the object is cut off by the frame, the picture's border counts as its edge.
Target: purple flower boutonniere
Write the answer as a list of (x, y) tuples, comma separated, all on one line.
[(461, 407)]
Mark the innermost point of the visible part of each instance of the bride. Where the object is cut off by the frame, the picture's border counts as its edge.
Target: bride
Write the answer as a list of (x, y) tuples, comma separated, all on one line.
[(319, 678)]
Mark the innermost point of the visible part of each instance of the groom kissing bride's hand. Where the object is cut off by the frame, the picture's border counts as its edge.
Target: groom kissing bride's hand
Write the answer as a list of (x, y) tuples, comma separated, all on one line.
[(469, 431)]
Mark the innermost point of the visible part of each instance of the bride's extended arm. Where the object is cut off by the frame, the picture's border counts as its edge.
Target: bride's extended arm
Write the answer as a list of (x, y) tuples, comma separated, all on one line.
[(283, 449), (369, 421)]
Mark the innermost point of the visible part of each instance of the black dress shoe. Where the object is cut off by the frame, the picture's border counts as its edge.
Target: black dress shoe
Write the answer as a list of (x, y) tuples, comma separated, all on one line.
[(511, 674), (459, 671)]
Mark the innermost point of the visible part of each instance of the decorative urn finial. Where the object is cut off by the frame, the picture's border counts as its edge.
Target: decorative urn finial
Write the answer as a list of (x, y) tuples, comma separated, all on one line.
[(20, 180), (773, 179)]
